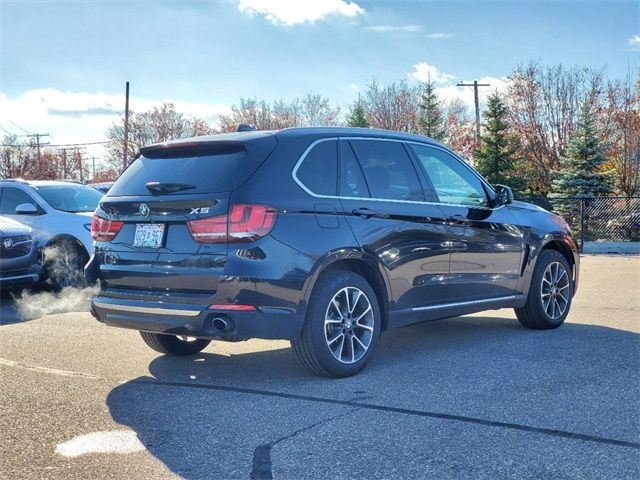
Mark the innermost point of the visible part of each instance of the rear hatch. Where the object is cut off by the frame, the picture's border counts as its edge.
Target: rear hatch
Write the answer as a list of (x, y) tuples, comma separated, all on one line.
[(163, 221)]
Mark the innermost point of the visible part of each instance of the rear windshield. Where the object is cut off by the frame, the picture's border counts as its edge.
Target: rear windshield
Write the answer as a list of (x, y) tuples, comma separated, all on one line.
[(202, 174)]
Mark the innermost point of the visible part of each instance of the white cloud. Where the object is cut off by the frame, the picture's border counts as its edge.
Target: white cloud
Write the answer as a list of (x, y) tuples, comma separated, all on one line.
[(354, 86), (394, 28), (424, 72), (634, 41), (79, 117), (452, 92), (292, 12), (440, 35)]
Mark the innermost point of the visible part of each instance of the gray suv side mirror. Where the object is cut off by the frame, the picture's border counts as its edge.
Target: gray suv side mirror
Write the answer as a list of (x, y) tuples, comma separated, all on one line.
[(504, 195), (26, 209)]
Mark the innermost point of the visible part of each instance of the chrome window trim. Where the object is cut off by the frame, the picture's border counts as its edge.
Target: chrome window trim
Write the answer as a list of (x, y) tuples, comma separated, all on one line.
[(419, 202), (462, 304)]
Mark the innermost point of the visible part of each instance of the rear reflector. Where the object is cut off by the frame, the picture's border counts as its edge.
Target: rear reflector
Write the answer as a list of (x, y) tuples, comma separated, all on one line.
[(245, 223), (233, 307), (103, 230)]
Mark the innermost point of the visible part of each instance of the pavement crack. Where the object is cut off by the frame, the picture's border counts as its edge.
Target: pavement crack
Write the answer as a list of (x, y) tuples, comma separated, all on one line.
[(404, 411), (261, 464)]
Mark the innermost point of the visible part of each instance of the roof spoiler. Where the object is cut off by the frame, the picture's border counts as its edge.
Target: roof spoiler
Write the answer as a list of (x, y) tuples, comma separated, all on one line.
[(243, 127)]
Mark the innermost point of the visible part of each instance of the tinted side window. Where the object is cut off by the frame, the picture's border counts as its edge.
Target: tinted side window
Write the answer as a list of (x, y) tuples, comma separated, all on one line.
[(388, 170), (453, 182), (319, 169), (352, 183), (12, 197)]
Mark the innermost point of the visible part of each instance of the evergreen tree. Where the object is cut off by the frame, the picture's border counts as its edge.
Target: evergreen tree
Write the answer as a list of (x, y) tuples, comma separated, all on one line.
[(358, 114), (431, 120), (496, 158), (581, 173)]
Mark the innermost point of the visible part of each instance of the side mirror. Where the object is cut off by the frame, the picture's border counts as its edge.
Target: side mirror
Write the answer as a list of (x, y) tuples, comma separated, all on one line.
[(26, 209), (504, 195)]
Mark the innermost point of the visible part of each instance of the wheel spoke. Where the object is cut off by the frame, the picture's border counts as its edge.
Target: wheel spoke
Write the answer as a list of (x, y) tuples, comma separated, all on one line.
[(361, 316), (363, 326), (337, 307), (557, 304), (353, 350), (347, 300), (355, 302), (338, 336), (364, 347), (553, 307), (341, 347), (331, 321)]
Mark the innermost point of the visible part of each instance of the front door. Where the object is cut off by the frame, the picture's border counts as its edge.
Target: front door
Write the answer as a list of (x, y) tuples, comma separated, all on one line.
[(486, 244)]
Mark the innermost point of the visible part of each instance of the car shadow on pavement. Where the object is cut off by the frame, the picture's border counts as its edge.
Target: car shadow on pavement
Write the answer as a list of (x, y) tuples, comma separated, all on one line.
[(200, 414)]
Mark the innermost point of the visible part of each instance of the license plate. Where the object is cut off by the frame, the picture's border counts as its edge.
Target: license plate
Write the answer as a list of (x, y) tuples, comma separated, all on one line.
[(148, 235)]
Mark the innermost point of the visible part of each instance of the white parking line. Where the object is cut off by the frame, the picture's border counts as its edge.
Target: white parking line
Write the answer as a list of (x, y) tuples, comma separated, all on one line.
[(119, 441)]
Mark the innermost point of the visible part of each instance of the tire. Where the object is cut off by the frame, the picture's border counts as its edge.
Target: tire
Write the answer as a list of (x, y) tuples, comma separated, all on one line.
[(64, 265), (172, 345), (548, 302), (331, 330)]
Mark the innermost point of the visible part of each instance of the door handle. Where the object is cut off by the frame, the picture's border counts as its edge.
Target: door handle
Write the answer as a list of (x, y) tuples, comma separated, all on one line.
[(457, 218), (364, 212)]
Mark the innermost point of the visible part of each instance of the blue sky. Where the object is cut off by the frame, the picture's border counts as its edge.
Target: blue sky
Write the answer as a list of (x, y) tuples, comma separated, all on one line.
[(74, 56)]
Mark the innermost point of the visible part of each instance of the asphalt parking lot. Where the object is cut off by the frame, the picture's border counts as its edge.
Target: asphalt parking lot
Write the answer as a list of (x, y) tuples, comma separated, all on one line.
[(470, 397)]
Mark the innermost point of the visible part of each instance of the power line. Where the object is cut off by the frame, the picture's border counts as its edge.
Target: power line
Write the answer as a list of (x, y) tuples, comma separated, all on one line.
[(19, 145), (5, 130), (25, 131)]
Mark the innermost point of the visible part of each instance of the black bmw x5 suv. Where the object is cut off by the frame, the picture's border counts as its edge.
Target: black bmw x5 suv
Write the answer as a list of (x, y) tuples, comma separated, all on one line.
[(322, 236)]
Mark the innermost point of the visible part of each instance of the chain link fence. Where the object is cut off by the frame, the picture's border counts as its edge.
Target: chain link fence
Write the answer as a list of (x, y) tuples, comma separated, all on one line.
[(599, 219)]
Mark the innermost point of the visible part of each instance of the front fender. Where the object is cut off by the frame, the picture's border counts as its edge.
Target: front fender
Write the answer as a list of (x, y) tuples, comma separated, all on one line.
[(557, 240)]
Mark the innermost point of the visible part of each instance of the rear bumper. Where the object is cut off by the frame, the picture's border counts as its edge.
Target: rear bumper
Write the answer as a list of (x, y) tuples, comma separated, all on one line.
[(196, 320), (20, 278)]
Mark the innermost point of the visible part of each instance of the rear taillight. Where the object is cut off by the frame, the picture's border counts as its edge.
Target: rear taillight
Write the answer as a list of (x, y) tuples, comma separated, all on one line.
[(245, 223), (103, 230)]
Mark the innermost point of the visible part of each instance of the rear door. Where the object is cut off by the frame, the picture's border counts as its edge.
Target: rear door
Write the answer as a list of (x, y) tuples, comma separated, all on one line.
[(486, 244), (384, 203)]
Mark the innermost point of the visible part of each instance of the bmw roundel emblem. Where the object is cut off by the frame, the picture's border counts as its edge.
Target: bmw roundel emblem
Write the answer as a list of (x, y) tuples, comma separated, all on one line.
[(8, 243), (144, 210)]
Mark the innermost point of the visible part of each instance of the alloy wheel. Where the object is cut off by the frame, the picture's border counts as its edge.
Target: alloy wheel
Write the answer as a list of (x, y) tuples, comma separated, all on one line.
[(348, 325), (555, 292)]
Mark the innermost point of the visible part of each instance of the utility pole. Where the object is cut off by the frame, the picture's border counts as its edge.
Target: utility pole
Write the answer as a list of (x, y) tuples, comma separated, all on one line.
[(93, 162), (125, 161), (475, 86), (64, 160), (38, 144)]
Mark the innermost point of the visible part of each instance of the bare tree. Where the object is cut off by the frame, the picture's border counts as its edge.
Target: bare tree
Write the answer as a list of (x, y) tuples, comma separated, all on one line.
[(312, 110), (392, 107), (544, 105), (623, 140), (158, 124)]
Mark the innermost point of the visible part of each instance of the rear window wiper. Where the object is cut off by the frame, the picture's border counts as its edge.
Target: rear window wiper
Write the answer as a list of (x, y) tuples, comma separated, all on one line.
[(162, 187)]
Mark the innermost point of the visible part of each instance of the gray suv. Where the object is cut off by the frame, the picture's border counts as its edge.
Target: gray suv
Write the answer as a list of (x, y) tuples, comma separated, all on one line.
[(20, 263)]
